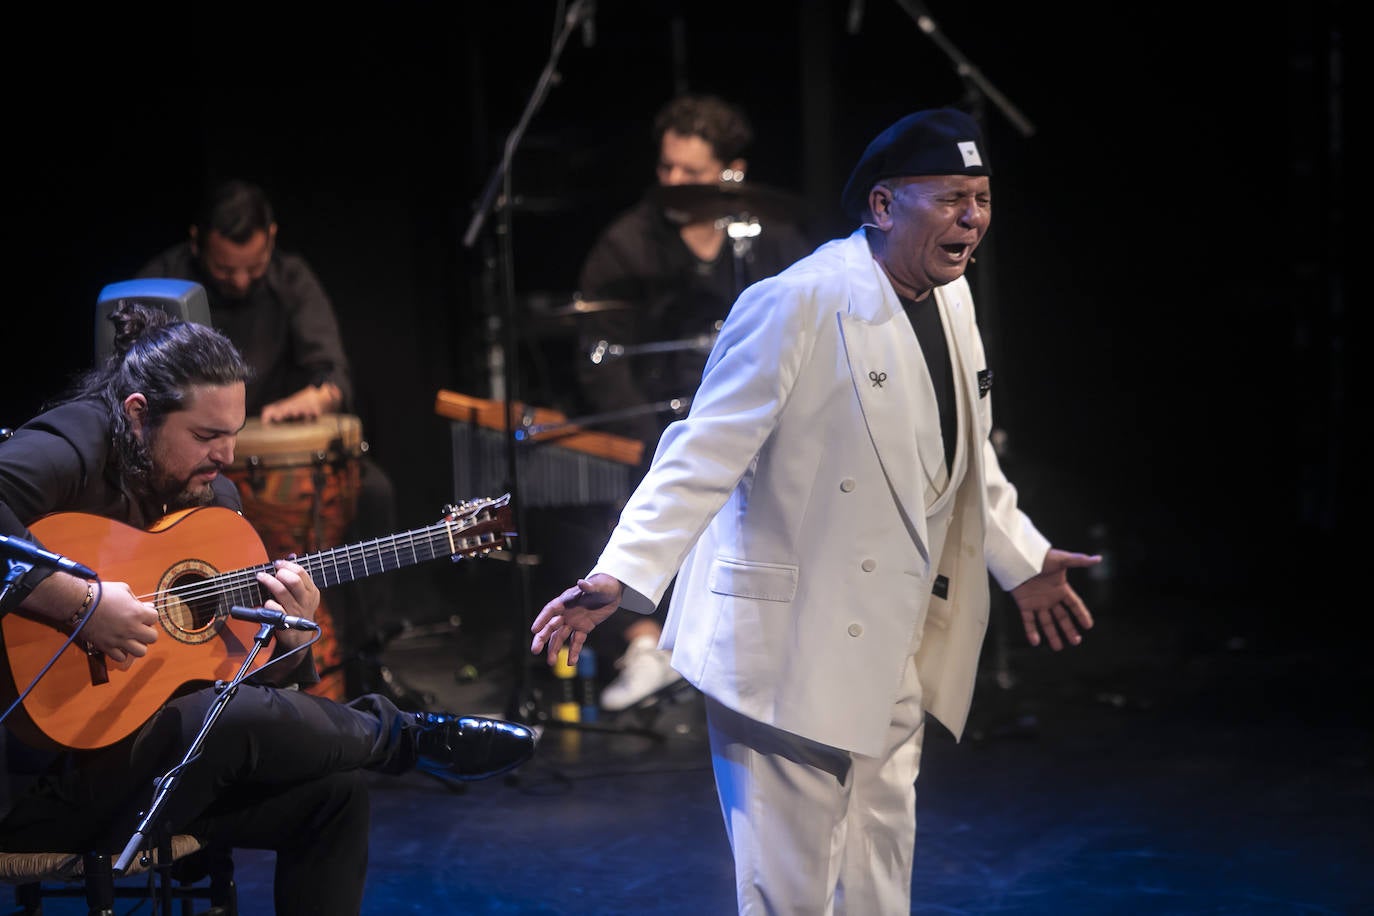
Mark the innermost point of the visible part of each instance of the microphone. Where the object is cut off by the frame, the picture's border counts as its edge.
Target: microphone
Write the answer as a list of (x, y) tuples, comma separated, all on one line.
[(277, 619), (855, 18), (583, 13), (589, 26), (37, 556)]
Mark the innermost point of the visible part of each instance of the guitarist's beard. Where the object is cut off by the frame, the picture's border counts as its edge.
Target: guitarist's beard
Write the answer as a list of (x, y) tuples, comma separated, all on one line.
[(184, 495), (154, 487)]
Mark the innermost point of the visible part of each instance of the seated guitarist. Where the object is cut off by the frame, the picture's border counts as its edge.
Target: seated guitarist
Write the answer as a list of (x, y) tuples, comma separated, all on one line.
[(145, 435)]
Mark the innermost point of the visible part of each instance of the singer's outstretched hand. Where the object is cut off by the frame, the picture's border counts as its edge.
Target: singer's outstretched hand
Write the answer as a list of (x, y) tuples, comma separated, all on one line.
[(1049, 605), (573, 614)]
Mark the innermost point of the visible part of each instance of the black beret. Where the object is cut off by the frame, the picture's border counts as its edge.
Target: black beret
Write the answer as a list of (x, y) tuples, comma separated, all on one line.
[(939, 141)]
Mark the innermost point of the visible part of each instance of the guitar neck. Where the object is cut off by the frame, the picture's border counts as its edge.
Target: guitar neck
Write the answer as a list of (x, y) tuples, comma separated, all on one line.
[(409, 548), (451, 537), (480, 531)]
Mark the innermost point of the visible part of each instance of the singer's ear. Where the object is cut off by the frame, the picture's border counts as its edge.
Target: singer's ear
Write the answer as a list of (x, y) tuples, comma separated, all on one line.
[(880, 206), (136, 409)]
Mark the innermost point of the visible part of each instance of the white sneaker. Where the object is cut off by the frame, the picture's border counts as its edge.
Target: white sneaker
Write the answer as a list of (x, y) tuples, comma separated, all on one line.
[(644, 670)]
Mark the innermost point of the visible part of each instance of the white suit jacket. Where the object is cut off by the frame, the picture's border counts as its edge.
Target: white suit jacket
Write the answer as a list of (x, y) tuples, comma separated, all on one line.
[(791, 504)]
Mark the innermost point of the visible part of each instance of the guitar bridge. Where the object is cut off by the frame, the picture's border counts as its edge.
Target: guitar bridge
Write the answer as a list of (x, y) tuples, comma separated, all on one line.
[(100, 674)]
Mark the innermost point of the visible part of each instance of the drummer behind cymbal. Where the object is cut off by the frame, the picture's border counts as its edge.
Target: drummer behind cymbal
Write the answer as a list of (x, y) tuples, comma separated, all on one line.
[(667, 255), (673, 264)]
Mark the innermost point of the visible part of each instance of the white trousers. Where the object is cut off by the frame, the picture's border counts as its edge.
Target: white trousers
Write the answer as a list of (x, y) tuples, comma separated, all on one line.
[(815, 829)]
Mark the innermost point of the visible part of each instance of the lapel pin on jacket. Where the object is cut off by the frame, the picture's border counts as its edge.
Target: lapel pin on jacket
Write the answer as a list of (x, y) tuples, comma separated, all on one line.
[(984, 382)]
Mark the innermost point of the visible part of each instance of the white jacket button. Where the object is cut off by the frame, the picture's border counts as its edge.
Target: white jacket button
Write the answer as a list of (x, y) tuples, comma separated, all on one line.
[(869, 565), (856, 629), (847, 485)]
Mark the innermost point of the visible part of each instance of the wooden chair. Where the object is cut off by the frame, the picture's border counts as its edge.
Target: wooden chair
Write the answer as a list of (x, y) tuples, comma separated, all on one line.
[(192, 871)]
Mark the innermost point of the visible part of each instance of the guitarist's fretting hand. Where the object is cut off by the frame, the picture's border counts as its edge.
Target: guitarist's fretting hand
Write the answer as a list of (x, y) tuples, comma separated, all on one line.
[(293, 592)]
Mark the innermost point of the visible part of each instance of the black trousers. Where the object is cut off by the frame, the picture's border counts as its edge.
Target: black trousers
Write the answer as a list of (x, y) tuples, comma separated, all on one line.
[(281, 770)]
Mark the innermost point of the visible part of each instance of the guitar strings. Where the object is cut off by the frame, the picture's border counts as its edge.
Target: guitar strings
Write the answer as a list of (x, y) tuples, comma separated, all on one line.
[(313, 563), (319, 564)]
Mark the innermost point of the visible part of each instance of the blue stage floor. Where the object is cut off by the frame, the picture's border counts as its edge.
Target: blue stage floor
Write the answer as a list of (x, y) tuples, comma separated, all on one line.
[(1184, 760)]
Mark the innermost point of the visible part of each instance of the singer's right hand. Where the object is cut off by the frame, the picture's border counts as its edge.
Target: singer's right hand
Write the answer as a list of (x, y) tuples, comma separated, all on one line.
[(572, 615)]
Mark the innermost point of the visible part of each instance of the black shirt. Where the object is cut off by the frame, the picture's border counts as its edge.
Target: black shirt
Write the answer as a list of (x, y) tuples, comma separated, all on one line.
[(285, 328), (671, 296), (930, 334)]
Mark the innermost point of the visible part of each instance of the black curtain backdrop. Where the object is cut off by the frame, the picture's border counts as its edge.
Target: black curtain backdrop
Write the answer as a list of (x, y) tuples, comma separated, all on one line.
[(1163, 296)]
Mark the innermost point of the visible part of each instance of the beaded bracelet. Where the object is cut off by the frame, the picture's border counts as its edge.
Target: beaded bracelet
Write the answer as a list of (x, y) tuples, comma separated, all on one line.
[(85, 606), (85, 644)]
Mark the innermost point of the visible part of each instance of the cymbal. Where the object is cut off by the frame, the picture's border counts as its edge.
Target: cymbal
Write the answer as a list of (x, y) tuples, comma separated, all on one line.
[(698, 202), (567, 315), (552, 306), (580, 307)]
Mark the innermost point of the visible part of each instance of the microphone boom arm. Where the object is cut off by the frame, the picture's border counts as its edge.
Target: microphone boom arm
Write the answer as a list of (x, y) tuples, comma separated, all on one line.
[(581, 11), (964, 67)]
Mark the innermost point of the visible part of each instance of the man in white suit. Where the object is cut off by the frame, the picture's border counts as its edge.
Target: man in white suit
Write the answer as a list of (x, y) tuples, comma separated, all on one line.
[(831, 508)]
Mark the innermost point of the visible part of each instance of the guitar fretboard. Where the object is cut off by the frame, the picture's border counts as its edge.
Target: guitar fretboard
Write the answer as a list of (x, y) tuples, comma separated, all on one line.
[(478, 531)]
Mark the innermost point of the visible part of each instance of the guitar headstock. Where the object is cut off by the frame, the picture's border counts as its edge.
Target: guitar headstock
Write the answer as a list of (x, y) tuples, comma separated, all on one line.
[(478, 527)]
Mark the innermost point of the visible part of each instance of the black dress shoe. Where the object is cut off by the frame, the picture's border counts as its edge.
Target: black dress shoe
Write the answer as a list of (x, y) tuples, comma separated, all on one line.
[(470, 747)]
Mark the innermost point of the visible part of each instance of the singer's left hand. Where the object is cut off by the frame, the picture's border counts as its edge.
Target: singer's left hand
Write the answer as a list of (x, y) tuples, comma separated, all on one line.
[(1049, 605)]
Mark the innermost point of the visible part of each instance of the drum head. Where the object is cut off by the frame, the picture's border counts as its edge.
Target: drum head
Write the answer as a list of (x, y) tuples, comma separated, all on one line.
[(298, 443)]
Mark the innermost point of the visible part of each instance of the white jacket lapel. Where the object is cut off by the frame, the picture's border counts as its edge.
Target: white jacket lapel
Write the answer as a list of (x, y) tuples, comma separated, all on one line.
[(891, 381)]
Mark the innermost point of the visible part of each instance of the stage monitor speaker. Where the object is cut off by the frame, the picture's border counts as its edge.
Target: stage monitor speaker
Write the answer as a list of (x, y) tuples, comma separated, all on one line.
[(182, 299)]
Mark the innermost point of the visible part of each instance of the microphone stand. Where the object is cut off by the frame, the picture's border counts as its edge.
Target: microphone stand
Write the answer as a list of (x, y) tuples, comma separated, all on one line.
[(702, 343), (580, 12), (978, 89), (964, 67), (9, 594), (168, 783)]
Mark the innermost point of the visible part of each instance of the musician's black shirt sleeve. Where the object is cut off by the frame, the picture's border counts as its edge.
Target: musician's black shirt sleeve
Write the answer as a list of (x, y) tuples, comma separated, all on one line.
[(660, 294), (286, 328)]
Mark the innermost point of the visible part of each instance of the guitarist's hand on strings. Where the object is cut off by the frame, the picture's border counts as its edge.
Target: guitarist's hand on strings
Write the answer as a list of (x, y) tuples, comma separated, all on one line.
[(294, 593), (121, 627)]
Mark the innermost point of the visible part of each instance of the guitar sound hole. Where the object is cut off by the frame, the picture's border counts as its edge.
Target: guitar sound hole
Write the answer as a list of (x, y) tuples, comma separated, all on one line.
[(189, 609)]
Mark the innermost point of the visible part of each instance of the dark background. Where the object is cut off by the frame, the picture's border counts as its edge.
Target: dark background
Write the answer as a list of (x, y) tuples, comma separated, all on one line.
[(1162, 289)]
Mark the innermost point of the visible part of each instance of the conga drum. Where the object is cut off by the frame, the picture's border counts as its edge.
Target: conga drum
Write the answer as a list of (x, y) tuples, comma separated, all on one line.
[(299, 484)]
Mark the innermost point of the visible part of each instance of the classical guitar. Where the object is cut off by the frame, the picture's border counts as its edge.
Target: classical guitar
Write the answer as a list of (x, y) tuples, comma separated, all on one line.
[(194, 566)]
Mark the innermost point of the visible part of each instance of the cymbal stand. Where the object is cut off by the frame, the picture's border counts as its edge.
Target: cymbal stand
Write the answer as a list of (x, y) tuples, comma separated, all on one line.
[(604, 349), (741, 229), (499, 183)]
